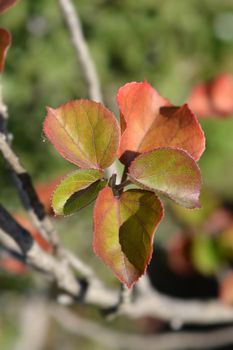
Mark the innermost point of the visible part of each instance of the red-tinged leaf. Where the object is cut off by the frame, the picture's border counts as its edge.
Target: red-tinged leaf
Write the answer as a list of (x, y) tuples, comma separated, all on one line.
[(5, 4), (5, 42), (77, 190), (123, 231), (150, 122), (84, 132), (139, 104), (222, 94), (169, 171)]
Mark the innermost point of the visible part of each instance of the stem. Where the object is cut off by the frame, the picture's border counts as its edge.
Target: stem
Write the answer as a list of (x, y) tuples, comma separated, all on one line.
[(125, 174), (122, 185)]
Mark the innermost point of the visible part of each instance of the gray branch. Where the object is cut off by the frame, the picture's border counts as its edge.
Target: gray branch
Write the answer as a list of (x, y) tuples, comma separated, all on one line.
[(149, 302), (72, 20), (36, 257), (111, 339)]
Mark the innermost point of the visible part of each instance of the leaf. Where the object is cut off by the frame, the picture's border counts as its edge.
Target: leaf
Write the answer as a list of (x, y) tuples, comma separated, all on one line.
[(169, 171), (5, 42), (123, 231), (83, 132), (5, 4), (76, 191), (149, 121)]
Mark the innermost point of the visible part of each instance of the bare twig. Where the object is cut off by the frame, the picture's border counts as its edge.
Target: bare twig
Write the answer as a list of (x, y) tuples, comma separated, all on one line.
[(15, 231), (24, 184), (36, 210), (36, 257), (32, 334), (155, 304), (119, 340), (148, 303), (72, 20), (79, 266), (124, 301)]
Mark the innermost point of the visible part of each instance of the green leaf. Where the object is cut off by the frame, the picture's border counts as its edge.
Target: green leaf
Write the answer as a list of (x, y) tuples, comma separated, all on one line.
[(123, 231), (169, 171), (77, 190), (84, 132)]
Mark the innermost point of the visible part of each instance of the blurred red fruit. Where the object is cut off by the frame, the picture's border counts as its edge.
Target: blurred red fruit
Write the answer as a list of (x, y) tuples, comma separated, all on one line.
[(214, 98)]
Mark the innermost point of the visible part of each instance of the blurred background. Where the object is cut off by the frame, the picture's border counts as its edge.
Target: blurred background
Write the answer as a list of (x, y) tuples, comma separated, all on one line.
[(185, 50)]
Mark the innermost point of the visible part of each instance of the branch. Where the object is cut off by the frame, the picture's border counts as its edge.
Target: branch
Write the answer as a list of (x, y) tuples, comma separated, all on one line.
[(72, 20), (119, 340), (24, 185), (148, 302), (36, 210), (34, 256), (153, 303), (81, 48), (32, 204), (32, 334), (15, 231)]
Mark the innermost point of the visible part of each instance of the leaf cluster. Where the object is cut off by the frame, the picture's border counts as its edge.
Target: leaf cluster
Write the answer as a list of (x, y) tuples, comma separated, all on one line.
[(158, 145)]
